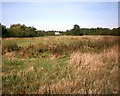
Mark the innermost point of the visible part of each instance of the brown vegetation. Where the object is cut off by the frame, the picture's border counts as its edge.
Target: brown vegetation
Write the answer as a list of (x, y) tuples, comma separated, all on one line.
[(66, 65)]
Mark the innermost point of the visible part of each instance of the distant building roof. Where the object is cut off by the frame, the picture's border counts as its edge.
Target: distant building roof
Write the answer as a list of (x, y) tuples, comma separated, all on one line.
[(57, 33)]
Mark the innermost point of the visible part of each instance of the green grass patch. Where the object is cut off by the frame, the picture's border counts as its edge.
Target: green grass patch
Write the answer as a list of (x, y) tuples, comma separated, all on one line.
[(60, 64)]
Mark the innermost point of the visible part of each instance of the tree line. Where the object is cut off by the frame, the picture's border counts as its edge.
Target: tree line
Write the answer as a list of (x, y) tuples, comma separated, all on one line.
[(19, 30)]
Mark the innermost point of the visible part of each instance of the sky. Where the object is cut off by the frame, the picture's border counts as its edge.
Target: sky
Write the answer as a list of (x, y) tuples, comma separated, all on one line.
[(60, 16)]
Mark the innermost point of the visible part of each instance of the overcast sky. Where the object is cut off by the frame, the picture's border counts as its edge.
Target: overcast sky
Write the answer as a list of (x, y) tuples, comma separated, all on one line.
[(60, 15)]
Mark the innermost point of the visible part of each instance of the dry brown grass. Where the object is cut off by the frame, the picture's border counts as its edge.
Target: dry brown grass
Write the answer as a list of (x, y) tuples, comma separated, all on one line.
[(61, 65), (98, 71)]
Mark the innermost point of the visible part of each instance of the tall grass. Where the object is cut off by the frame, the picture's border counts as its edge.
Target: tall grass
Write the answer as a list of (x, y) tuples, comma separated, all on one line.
[(9, 46), (64, 64), (59, 45), (96, 72)]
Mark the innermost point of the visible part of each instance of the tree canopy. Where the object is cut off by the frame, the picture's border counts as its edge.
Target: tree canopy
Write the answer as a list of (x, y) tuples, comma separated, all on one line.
[(18, 30)]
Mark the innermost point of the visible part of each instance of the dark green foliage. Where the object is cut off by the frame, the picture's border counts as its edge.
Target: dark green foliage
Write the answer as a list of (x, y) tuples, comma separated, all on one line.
[(49, 33), (115, 31), (4, 31), (40, 32), (101, 31), (76, 30), (18, 30)]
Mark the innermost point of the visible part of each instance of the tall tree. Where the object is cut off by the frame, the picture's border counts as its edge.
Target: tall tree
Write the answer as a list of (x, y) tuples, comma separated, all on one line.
[(76, 30), (3, 31)]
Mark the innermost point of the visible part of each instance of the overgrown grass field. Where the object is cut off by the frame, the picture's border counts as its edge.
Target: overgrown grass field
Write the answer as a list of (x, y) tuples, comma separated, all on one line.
[(60, 65)]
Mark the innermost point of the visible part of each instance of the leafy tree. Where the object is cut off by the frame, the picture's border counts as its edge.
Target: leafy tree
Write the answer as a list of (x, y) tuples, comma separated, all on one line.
[(76, 30), (40, 33), (50, 33), (31, 32), (115, 31), (3, 31), (18, 30)]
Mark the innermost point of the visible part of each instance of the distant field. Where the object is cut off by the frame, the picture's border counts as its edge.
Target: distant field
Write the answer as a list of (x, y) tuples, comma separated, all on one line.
[(60, 64)]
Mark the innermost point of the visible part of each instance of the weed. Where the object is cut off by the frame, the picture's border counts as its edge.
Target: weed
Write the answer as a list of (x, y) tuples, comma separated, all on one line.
[(60, 65), (9, 46)]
